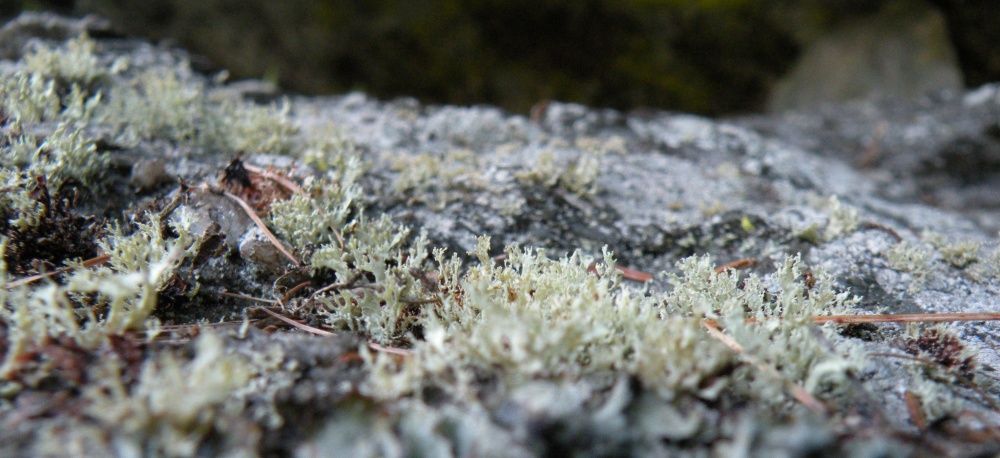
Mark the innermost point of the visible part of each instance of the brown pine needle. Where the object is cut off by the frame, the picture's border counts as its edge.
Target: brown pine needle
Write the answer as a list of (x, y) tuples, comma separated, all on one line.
[(86, 264), (291, 186), (320, 332), (799, 393), (283, 181), (628, 274), (390, 350), (249, 298), (288, 295), (901, 318), (907, 318), (635, 275), (297, 324), (737, 265), (256, 220), (347, 284), (915, 407)]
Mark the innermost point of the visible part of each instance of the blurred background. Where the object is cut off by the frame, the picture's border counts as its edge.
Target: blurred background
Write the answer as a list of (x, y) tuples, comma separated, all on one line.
[(712, 57)]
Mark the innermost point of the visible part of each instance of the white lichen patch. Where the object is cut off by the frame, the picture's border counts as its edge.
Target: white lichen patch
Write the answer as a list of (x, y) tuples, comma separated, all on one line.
[(174, 403), (538, 318)]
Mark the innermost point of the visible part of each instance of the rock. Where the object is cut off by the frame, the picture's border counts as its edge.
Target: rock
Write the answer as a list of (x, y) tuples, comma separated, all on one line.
[(886, 212), (900, 52)]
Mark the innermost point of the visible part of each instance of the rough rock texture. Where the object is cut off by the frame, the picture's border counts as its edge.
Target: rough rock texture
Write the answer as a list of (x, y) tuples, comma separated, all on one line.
[(897, 202)]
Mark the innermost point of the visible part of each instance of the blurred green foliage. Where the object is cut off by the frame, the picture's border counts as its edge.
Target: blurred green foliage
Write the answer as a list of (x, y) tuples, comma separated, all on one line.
[(701, 56)]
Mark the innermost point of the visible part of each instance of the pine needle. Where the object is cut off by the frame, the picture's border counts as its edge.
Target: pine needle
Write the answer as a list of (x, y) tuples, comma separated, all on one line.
[(799, 393), (256, 220)]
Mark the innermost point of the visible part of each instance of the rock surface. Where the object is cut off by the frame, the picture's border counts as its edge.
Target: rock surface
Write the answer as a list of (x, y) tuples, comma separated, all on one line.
[(897, 202)]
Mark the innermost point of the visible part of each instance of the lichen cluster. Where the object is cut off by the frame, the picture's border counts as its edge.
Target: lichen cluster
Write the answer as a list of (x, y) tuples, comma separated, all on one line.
[(456, 357)]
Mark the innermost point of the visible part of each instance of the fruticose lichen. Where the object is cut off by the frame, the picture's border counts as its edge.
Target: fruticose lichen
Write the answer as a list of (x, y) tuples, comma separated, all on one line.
[(455, 358)]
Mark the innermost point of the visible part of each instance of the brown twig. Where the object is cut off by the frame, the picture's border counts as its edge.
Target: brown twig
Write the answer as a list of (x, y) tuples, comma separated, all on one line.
[(86, 264), (295, 289), (913, 405), (285, 182), (249, 298), (347, 284), (628, 274), (320, 332), (907, 318), (902, 318), (799, 393), (256, 219), (737, 265), (391, 350), (297, 324), (291, 186)]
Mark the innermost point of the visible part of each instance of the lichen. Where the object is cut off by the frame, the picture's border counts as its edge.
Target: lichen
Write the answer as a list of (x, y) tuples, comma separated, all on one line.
[(74, 61), (539, 318), (914, 259), (174, 404)]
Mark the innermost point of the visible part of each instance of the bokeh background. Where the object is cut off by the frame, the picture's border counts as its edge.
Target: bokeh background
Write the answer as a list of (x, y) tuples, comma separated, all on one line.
[(713, 57)]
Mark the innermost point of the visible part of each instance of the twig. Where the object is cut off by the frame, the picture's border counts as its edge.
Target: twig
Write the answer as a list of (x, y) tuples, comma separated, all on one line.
[(320, 332), (256, 219), (336, 286), (737, 265), (390, 350), (799, 393), (285, 182), (294, 290), (902, 318), (628, 274), (249, 298), (86, 264), (907, 318), (913, 404), (302, 326), (291, 186)]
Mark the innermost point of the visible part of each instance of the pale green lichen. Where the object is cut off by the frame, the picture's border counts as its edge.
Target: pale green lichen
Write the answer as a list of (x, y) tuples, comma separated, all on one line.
[(912, 258), (123, 293), (380, 308), (30, 98), (310, 219), (539, 318), (841, 220), (73, 61), (959, 254), (437, 180), (174, 404), (65, 155), (169, 104), (55, 83), (578, 175)]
